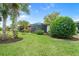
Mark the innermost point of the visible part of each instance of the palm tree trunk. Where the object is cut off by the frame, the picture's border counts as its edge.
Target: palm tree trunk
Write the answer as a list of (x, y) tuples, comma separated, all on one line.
[(14, 29), (14, 34), (4, 30)]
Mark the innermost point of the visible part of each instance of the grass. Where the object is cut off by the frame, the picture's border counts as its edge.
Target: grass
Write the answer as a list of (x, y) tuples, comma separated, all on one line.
[(39, 45)]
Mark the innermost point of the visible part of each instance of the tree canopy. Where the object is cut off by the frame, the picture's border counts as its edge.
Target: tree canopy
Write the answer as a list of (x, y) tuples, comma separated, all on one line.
[(50, 17)]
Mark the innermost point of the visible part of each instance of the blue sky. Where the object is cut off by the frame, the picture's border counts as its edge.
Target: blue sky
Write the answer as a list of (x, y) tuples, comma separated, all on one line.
[(39, 10)]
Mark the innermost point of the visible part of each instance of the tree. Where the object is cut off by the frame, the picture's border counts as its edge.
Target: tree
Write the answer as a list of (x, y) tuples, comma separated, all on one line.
[(14, 12), (50, 17), (4, 13), (23, 24), (14, 15)]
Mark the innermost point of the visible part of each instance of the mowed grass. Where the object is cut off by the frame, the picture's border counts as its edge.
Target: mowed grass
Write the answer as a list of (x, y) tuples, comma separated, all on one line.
[(39, 45)]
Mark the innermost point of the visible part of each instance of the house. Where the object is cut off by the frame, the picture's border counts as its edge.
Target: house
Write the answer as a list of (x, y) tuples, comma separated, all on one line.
[(37, 26)]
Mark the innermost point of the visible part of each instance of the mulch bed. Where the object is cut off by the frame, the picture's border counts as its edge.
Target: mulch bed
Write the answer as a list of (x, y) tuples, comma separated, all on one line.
[(75, 37), (10, 40)]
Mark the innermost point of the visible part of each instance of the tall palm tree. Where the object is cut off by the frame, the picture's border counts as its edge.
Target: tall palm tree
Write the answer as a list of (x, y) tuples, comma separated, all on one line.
[(14, 12), (4, 13)]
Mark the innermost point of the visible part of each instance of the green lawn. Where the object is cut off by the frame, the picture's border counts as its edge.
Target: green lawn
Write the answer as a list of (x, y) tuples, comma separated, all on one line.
[(39, 45)]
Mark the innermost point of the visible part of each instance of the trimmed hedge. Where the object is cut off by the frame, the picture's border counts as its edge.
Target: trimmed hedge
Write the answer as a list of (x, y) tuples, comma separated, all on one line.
[(62, 27)]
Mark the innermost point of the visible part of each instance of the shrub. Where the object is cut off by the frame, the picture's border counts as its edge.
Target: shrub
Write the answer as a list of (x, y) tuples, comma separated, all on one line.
[(0, 29), (7, 28), (62, 27), (26, 30), (39, 32)]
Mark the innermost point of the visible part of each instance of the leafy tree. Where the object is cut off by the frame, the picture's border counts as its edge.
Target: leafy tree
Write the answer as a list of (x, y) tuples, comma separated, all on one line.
[(23, 24), (49, 18)]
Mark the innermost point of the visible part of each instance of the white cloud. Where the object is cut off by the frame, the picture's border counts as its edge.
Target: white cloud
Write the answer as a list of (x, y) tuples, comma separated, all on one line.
[(76, 20), (52, 5), (23, 17), (30, 6)]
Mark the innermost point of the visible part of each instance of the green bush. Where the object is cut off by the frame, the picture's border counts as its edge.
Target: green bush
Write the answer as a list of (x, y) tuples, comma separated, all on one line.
[(0, 29), (26, 30), (62, 27), (39, 32), (7, 28)]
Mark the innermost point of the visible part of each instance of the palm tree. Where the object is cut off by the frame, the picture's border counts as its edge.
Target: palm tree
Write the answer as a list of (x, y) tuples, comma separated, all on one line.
[(4, 13), (14, 12)]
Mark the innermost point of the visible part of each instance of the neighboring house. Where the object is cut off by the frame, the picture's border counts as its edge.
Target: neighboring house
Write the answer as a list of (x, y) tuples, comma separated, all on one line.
[(37, 26)]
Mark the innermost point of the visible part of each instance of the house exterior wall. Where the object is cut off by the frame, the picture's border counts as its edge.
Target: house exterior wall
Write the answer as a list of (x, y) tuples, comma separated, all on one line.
[(48, 27)]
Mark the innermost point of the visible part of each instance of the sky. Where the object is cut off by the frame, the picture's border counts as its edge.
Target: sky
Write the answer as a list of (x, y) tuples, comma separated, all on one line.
[(39, 10)]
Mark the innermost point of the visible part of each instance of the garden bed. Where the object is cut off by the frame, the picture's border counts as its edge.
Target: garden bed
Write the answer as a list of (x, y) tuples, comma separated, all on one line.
[(9, 40)]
